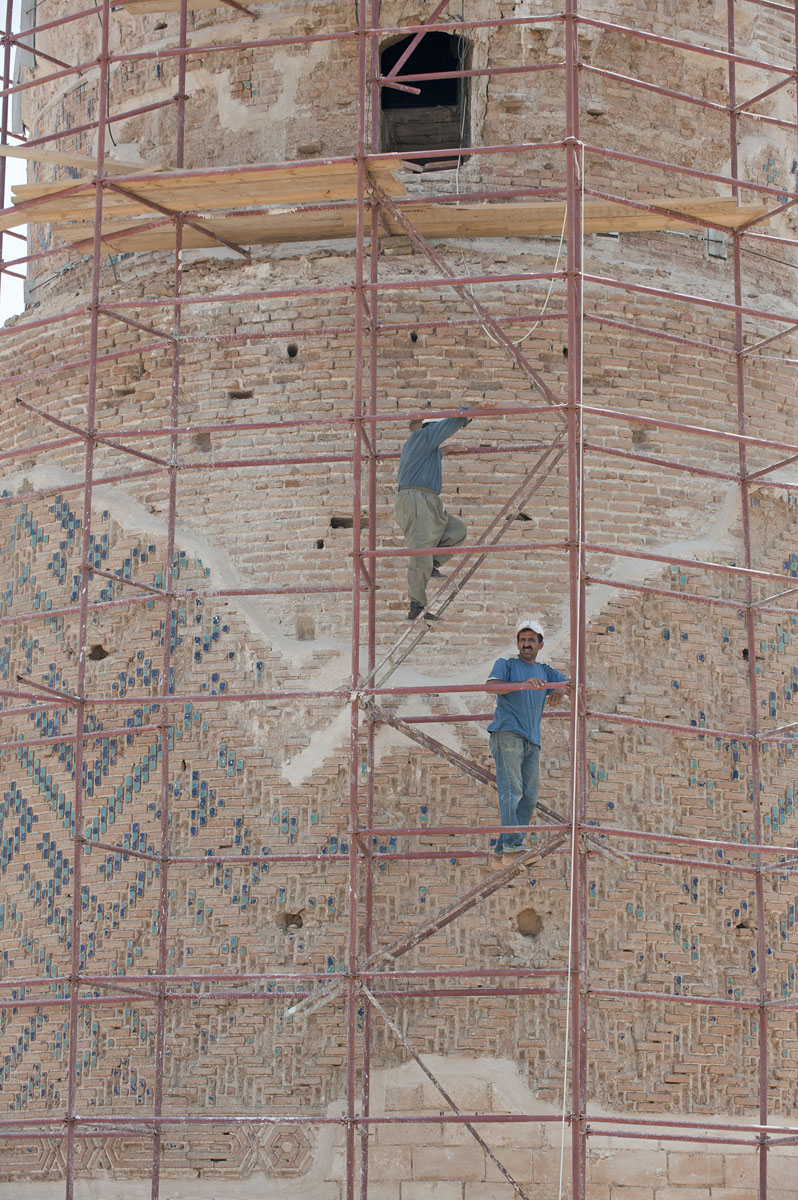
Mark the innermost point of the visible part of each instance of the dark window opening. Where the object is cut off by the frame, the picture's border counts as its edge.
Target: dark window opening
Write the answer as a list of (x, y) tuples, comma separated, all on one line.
[(436, 118)]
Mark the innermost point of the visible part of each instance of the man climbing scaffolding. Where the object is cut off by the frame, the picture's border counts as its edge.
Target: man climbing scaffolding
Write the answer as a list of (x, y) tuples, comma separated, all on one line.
[(419, 509)]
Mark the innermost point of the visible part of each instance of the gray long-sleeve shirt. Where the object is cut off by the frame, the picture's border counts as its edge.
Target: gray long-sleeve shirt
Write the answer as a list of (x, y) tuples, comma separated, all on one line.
[(420, 464)]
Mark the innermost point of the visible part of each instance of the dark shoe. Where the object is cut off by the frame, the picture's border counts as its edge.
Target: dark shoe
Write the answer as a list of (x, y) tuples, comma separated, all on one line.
[(437, 573), (514, 848), (417, 609)]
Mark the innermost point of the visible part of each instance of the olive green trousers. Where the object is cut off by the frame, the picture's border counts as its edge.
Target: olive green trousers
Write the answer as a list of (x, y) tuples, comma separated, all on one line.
[(426, 524)]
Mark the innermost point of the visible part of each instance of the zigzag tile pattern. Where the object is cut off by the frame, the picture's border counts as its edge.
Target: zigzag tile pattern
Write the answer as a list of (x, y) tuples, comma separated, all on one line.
[(654, 927)]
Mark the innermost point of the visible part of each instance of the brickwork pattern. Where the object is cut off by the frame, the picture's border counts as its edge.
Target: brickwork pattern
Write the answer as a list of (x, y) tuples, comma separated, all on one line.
[(271, 777), (675, 932)]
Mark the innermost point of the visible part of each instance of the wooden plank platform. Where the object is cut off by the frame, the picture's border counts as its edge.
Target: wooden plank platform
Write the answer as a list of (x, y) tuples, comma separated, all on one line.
[(466, 219), (204, 191), (289, 200)]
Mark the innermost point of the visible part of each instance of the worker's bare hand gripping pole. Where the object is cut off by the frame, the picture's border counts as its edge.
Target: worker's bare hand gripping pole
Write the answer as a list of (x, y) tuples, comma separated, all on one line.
[(419, 509), (522, 686)]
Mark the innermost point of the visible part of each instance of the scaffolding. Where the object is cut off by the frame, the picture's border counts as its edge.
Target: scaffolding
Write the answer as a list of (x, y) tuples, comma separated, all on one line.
[(116, 207)]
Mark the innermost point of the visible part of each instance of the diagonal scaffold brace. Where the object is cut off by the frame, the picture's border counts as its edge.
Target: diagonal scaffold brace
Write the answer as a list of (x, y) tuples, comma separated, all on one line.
[(476, 771), (470, 563), (489, 323), (400, 1037), (380, 958), (404, 647)]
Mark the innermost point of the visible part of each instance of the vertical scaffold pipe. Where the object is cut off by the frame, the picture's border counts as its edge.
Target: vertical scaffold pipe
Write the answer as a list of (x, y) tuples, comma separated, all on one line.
[(170, 619), (371, 594), (83, 615), (578, 1019), (352, 996), (750, 621)]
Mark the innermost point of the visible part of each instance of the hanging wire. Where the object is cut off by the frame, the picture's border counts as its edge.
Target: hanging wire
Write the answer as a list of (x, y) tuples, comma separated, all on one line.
[(461, 56)]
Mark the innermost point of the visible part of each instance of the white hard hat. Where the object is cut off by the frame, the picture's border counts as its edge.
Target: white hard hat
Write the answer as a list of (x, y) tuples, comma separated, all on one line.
[(529, 623)]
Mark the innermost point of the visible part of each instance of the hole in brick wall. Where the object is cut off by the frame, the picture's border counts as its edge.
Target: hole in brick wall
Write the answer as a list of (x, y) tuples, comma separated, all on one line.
[(319, 543), (98, 653), (640, 437), (529, 922), (565, 351), (436, 117), (160, 24), (745, 654), (287, 920), (522, 516), (340, 521), (413, 335), (119, 393), (240, 393), (292, 349), (201, 441)]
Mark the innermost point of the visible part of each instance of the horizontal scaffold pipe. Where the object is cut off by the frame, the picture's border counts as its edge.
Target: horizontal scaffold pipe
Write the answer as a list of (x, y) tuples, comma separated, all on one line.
[(681, 44), (732, 181), (157, 701), (216, 996), (685, 97), (343, 35), (69, 610), (762, 606), (734, 438), (121, 1124)]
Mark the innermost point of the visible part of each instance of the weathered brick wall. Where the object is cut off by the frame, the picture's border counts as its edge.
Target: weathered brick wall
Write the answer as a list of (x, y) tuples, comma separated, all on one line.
[(272, 777)]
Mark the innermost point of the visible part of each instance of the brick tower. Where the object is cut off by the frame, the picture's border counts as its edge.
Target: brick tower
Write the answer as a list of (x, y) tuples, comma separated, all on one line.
[(254, 941)]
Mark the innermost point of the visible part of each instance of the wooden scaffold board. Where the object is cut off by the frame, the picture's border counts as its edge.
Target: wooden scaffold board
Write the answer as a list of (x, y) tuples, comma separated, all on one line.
[(312, 201)]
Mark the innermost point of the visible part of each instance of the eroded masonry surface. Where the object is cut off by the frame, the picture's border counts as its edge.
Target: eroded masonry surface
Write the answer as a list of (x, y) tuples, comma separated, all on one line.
[(253, 938)]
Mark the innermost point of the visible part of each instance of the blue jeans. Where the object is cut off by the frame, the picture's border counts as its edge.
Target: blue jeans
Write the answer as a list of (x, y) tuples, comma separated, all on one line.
[(517, 771)]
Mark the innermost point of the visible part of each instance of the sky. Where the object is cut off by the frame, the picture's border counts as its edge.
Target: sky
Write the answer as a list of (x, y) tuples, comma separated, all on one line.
[(11, 300)]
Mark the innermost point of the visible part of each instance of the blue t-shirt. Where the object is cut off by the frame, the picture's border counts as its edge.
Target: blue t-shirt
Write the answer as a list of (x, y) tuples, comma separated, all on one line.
[(420, 464), (520, 712)]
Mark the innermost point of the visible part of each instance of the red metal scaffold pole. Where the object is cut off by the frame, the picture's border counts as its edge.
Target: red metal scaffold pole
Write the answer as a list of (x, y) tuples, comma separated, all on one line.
[(370, 973)]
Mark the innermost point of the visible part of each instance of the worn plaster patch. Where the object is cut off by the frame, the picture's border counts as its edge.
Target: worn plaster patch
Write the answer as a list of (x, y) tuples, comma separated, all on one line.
[(133, 517)]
